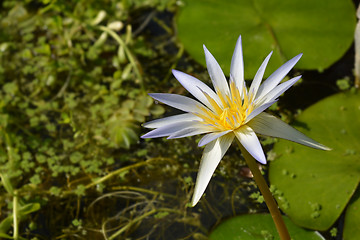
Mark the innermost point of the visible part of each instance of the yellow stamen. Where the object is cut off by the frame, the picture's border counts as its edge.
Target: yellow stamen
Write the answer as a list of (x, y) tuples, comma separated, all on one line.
[(213, 103), (232, 112)]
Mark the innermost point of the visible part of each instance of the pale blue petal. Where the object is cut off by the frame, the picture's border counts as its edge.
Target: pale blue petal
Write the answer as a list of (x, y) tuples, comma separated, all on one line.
[(277, 91), (169, 120), (259, 76), (216, 74), (250, 142), (177, 101), (196, 88), (274, 79), (211, 137), (269, 125), (195, 129), (258, 110), (237, 65), (169, 129), (213, 153)]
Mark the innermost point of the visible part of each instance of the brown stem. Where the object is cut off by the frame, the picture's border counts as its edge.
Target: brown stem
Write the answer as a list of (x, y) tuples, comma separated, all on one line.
[(265, 191)]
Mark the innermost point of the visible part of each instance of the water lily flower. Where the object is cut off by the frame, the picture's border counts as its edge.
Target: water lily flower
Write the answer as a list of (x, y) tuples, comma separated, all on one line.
[(227, 112)]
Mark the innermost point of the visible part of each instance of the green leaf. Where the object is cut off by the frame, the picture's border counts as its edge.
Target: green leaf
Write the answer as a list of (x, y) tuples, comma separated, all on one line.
[(123, 134), (352, 219), (258, 226), (315, 186), (6, 182), (6, 224), (4, 235), (157, 110), (76, 157), (323, 30), (29, 208)]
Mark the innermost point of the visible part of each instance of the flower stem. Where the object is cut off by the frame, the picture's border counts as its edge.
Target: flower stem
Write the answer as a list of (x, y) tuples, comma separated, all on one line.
[(265, 191), (15, 217)]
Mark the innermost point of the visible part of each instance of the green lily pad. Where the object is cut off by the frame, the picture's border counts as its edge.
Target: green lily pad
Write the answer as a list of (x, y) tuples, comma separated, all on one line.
[(258, 226), (322, 30), (352, 219), (312, 186)]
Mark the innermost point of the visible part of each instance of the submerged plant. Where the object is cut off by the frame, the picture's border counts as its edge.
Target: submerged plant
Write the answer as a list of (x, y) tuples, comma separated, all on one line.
[(231, 111)]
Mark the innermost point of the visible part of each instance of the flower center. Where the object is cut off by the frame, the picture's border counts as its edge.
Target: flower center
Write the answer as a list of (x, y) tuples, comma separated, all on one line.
[(231, 113), (228, 119)]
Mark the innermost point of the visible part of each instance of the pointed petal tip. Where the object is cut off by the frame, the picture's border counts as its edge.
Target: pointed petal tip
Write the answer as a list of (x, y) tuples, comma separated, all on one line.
[(269, 56), (294, 60), (260, 157), (200, 144), (262, 161), (176, 73), (196, 198), (197, 193), (315, 145), (194, 202), (145, 125), (206, 51), (249, 141), (325, 148)]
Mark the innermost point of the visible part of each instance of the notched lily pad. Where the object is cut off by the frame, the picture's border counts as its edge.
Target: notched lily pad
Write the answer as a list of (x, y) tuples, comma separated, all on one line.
[(322, 30), (317, 185), (258, 226)]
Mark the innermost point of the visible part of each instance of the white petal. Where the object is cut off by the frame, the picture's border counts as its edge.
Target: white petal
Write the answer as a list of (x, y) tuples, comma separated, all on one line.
[(258, 110), (169, 129), (244, 91), (216, 74), (177, 101), (211, 137), (274, 79), (276, 92), (211, 157), (196, 87), (195, 129), (269, 125), (258, 76), (250, 142), (169, 120), (237, 65)]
